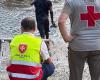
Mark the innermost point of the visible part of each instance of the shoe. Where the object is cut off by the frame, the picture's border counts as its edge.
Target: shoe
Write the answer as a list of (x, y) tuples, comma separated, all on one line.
[(53, 26)]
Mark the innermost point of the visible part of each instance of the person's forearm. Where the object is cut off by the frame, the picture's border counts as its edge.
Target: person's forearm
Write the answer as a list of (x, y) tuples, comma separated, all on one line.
[(63, 31)]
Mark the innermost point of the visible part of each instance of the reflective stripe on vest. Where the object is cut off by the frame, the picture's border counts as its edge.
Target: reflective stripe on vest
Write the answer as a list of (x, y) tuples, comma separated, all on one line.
[(26, 76), (26, 63)]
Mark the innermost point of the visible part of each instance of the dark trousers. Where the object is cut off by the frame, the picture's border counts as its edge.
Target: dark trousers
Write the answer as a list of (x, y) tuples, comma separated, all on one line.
[(77, 60), (48, 70), (43, 27)]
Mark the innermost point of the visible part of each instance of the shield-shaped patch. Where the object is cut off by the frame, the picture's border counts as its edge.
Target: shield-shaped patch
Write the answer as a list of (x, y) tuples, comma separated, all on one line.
[(22, 48)]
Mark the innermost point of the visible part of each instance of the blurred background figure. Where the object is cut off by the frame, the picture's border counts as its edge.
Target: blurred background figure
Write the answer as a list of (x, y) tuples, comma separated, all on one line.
[(42, 10)]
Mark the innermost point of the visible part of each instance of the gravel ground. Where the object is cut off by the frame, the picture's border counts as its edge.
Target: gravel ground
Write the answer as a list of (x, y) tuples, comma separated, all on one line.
[(10, 18)]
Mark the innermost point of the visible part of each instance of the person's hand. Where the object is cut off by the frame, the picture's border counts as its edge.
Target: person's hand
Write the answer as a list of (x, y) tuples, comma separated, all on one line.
[(69, 38)]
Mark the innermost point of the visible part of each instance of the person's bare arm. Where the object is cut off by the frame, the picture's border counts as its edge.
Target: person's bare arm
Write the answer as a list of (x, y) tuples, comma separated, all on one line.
[(61, 23)]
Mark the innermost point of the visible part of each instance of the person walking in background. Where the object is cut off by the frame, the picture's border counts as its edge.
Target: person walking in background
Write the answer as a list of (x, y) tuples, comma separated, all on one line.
[(42, 10), (84, 36), (27, 51)]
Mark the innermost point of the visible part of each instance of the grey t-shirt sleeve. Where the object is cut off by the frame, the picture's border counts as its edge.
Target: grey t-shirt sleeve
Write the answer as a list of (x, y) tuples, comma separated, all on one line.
[(67, 7)]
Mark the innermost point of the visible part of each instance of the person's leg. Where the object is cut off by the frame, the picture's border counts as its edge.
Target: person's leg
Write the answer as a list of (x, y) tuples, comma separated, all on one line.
[(76, 64), (41, 29), (46, 27), (94, 65), (48, 70)]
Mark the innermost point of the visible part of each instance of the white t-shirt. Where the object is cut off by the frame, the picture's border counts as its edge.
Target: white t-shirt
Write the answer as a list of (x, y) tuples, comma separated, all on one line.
[(44, 51)]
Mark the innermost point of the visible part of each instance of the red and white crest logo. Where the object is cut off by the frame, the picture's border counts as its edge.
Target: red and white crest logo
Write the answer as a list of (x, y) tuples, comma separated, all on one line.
[(22, 48)]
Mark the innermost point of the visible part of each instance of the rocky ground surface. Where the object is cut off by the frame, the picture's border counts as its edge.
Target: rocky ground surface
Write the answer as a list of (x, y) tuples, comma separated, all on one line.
[(10, 17)]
